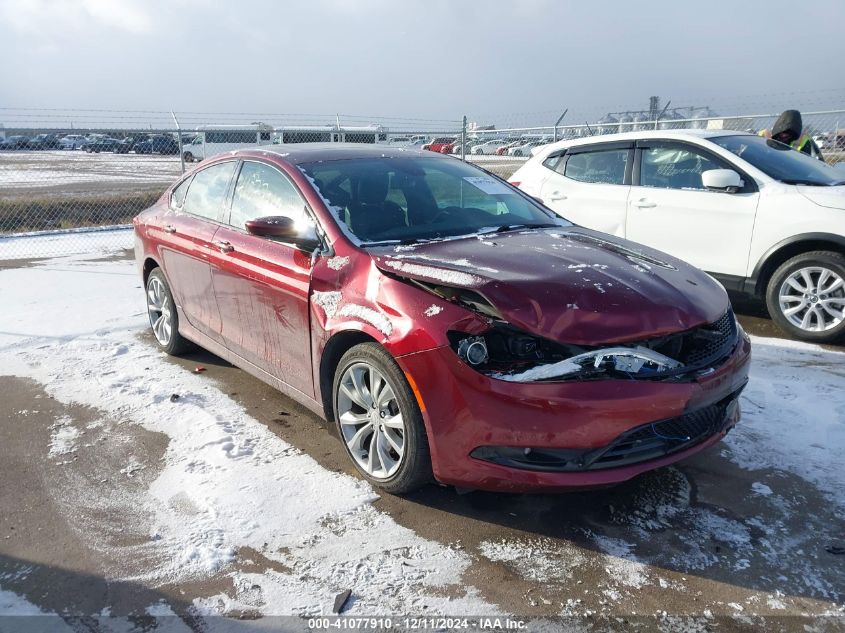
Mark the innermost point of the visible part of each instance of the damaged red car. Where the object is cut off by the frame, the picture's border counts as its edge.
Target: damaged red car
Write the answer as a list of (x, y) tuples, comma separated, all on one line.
[(450, 326)]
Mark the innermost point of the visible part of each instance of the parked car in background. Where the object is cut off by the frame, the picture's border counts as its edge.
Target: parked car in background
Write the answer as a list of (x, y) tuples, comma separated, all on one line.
[(15, 142), (157, 144), (43, 141), (556, 383), (525, 148), (760, 217), (72, 141), (488, 147), (105, 144), (438, 143), (503, 150)]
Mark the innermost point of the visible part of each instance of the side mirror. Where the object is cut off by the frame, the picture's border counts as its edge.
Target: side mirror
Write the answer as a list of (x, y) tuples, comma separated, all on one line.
[(284, 229), (722, 180)]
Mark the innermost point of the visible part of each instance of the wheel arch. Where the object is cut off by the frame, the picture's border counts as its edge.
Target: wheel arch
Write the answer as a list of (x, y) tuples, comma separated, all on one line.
[(340, 343), (149, 265), (789, 248)]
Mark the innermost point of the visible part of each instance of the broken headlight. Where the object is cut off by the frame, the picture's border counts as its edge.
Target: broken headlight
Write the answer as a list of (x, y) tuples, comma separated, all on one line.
[(508, 354)]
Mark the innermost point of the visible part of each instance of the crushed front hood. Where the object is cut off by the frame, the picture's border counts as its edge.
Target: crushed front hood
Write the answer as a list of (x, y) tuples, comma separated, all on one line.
[(570, 285)]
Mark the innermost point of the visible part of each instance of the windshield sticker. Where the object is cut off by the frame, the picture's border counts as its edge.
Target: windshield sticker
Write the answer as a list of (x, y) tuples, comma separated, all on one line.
[(488, 185)]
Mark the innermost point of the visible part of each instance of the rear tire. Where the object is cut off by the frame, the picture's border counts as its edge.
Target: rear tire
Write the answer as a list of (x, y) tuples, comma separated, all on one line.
[(164, 318), (806, 296), (371, 428), (189, 158)]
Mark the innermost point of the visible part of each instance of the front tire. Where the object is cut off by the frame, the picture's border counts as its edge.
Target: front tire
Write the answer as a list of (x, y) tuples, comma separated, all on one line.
[(189, 158), (806, 296), (379, 421), (164, 319)]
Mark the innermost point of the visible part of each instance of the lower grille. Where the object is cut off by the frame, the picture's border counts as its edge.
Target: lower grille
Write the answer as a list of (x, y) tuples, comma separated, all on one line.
[(643, 443)]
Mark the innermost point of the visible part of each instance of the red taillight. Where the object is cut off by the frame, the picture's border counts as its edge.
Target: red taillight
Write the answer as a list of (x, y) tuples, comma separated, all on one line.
[(515, 183)]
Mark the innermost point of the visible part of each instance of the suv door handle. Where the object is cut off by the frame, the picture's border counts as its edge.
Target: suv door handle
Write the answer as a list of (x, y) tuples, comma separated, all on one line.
[(644, 203), (169, 228), (557, 195), (224, 246)]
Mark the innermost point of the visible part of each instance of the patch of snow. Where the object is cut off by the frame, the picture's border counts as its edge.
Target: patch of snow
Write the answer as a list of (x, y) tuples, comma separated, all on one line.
[(620, 563), (761, 489), (376, 319), (793, 415), (433, 310), (542, 372), (451, 277), (542, 560), (63, 437), (328, 301), (337, 262)]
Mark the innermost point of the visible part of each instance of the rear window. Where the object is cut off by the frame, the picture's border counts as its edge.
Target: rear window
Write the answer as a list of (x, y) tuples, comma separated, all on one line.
[(601, 167)]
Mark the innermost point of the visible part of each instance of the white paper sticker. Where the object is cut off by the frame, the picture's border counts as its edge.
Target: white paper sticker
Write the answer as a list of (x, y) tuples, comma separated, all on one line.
[(488, 185)]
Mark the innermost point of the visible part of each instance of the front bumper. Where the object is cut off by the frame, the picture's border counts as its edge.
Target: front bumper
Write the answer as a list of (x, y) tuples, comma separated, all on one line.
[(466, 411)]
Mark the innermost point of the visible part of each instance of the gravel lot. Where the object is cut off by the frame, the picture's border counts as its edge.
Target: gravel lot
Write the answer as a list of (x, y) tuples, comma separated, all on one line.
[(232, 500)]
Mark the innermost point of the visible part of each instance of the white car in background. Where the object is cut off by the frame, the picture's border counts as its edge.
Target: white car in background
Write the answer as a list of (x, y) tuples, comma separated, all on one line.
[(72, 141), (757, 215), (524, 149), (488, 147)]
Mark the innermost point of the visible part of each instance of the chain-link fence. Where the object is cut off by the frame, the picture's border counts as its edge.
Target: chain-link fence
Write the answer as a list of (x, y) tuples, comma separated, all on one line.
[(69, 189)]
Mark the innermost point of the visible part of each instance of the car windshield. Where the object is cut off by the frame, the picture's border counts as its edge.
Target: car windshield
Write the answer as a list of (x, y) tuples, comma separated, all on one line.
[(780, 161), (410, 199)]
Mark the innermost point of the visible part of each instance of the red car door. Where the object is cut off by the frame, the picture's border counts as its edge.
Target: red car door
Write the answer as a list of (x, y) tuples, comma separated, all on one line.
[(187, 245), (262, 285)]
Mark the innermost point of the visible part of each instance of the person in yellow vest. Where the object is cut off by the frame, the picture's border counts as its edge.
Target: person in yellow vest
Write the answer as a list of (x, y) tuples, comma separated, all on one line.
[(788, 129)]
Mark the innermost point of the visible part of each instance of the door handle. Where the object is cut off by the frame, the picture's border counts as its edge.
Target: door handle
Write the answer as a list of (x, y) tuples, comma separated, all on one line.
[(224, 246), (169, 228), (557, 195), (643, 203)]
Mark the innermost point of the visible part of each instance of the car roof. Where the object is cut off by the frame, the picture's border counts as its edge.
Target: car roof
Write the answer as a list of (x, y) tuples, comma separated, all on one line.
[(647, 134), (310, 152)]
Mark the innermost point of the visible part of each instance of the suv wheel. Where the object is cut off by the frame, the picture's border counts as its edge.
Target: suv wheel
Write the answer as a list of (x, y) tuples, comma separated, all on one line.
[(379, 421), (806, 296)]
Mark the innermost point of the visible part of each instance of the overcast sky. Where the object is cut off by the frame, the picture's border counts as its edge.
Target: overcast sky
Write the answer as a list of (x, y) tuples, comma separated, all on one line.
[(513, 60)]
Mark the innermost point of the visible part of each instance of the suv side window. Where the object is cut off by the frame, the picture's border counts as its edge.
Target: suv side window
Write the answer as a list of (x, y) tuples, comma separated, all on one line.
[(674, 166), (599, 166), (264, 191), (177, 198), (208, 190)]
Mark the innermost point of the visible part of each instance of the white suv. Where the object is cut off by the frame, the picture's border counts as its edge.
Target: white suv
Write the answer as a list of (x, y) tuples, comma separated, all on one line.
[(760, 217)]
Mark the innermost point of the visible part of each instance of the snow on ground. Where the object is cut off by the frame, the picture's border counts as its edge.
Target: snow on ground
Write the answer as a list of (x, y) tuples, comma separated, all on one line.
[(226, 482), (794, 415), (53, 169), (84, 241)]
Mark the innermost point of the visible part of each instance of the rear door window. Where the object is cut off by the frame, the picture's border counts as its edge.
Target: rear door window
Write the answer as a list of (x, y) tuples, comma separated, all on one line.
[(207, 192), (599, 166)]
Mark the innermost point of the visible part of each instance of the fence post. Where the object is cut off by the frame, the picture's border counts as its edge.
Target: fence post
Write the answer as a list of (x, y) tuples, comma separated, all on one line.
[(662, 112), (179, 136), (464, 138), (560, 118)]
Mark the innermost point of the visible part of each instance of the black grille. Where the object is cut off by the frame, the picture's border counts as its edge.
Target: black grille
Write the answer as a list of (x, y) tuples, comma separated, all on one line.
[(711, 341), (643, 443), (660, 438)]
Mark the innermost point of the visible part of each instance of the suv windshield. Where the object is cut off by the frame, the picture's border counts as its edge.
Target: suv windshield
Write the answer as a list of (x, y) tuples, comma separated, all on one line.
[(410, 199), (780, 161)]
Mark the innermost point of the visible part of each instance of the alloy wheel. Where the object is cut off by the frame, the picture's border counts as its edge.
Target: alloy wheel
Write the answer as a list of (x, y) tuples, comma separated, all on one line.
[(813, 299), (159, 310), (370, 420)]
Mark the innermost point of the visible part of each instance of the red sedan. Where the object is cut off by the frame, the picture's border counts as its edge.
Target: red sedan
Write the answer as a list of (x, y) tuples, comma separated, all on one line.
[(452, 328)]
